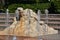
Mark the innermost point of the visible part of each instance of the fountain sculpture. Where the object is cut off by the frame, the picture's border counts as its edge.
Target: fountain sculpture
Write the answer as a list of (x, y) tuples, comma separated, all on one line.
[(29, 25)]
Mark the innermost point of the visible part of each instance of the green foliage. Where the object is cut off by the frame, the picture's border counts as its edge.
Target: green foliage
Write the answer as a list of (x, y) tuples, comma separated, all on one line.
[(32, 4), (13, 7), (44, 1), (52, 8), (58, 6), (34, 7)]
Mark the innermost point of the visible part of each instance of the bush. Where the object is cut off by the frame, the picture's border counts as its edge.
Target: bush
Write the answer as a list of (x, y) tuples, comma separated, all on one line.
[(13, 7), (34, 7)]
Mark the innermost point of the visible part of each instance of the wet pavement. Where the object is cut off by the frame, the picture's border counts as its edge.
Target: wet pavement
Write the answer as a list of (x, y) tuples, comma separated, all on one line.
[(47, 37)]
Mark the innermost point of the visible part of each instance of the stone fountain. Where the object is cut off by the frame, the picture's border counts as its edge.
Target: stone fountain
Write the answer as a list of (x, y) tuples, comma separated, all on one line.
[(27, 26)]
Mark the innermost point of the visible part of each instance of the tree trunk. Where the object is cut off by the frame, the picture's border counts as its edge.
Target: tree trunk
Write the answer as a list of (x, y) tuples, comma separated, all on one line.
[(3, 2)]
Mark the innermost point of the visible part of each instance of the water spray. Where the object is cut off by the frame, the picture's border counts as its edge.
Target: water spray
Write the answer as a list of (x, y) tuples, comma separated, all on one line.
[(7, 22), (38, 24)]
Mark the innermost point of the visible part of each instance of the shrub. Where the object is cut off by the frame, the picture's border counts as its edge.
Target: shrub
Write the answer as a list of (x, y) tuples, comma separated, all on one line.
[(13, 7), (34, 7)]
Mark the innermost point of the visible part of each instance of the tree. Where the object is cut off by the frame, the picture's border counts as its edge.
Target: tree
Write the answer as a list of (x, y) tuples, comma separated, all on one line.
[(2, 3), (43, 1), (52, 8)]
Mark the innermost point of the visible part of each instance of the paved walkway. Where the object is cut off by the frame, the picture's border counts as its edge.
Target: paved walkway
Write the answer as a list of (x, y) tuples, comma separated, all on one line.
[(52, 37)]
